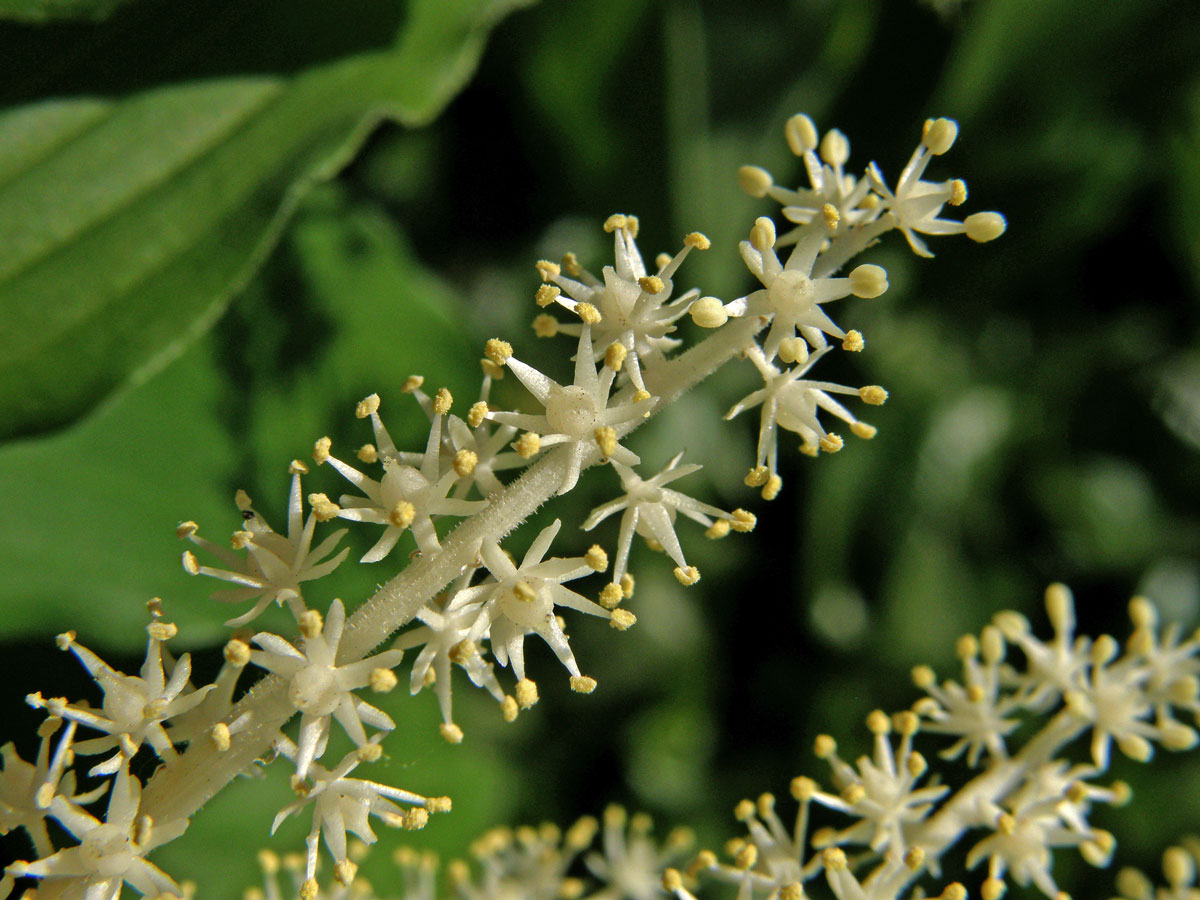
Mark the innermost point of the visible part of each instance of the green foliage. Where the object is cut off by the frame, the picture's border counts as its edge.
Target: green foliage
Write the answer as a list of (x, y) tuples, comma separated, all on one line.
[(128, 219), (1045, 393)]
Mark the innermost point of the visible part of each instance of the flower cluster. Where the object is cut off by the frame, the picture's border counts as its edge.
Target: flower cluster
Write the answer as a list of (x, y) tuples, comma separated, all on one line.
[(1023, 804), (459, 599)]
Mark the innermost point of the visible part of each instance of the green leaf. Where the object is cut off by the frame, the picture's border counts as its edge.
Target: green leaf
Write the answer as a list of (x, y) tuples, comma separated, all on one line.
[(128, 220)]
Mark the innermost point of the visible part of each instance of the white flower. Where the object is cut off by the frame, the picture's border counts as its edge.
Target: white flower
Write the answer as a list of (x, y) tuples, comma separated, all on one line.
[(916, 205), (407, 496), (635, 309), (830, 184), (445, 632), (630, 862), (135, 708), (342, 804), (27, 789), (111, 852), (320, 688), (976, 711), (576, 415), (481, 448), (792, 295), (793, 404), (521, 600), (650, 510), (274, 566)]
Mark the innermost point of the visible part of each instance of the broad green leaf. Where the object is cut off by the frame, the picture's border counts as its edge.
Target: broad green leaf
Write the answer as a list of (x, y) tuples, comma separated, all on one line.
[(129, 219), (56, 10)]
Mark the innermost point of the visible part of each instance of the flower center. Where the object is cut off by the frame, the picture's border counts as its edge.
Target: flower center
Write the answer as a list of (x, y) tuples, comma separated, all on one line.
[(313, 690), (106, 851), (571, 411), (791, 293)]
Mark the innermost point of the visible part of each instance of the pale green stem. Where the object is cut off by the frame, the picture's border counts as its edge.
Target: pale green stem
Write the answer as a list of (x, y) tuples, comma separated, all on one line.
[(180, 789)]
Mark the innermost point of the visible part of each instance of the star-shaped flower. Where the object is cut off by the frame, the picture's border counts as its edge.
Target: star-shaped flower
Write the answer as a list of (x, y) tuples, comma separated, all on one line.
[(407, 496), (636, 310), (109, 853), (320, 688), (273, 566), (792, 403), (578, 415), (135, 708), (792, 296), (916, 205), (650, 510)]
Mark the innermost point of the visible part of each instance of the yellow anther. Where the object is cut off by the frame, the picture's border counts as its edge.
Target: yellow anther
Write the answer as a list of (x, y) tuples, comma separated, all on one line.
[(297, 467), (570, 265), (309, 890), (708, 312), (853, 342), (772, 488), (831, 443), (442, 401), (587, 312), (824, 746), (606, 439), (718, 529), (801, 134), (803, 789), (527, 693), (873, 394), (465, 462), (622, 619), (742, 520), (545, 326), (528, 445), (311, 623), (367, 453), (958, 192), (746, 857), (477, 414), (610, 595), (415, 819), (546, 295), (382, 680), (757, 477), (369, 753), (687, 576), (524, 592), (323, 508), (834, 859), (614, 356), (185, 530), (863, 430), (548, 270), (402, 514), (992, 889), (508, 708), (793, 350), (412, 383), (651, 284), (923, 677), (497, 350), (321, 450), (697, 241), (831, 216), (450, 733), (662, 260), (582, 684), (367, 406), (868, 281), (762, 235), (672, 881), (596, 558), (627, 586), (939, 135), (237, 653), (744, 810), (834, 148), (755, 181), (985, 226)]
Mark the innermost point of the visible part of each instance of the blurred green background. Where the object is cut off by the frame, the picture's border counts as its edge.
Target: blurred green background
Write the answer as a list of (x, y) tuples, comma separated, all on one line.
[(220, 228)]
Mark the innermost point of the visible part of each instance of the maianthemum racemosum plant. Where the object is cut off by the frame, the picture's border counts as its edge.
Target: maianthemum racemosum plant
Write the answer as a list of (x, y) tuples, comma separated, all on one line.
[(462, 601)]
